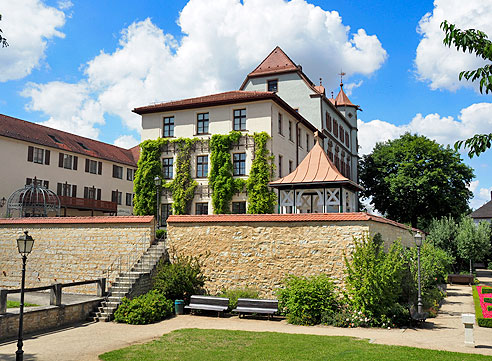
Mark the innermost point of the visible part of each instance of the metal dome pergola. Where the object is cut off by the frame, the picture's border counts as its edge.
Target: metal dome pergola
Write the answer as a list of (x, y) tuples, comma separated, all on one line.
[(33, 200)]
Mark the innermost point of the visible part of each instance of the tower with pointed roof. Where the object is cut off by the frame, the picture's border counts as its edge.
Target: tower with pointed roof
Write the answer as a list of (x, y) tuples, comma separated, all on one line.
[(335, 118)]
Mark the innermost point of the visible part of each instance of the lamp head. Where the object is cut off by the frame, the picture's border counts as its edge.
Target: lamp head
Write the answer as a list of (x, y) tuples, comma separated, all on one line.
[(25, 243), (157, 181), (418, 239)]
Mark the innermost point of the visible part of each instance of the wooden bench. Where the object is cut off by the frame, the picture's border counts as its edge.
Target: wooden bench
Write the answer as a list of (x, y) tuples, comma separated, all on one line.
[(208, 303), (461, 279), (250, 305)]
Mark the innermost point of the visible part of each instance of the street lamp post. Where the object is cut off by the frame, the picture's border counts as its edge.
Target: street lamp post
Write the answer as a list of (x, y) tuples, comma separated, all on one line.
[(157, 182), (24, 245), (418, 242)]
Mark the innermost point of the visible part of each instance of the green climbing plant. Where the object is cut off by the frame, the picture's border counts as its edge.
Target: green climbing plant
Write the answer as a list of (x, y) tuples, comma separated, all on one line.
[(183, 185), (261, 199), (221, 180)]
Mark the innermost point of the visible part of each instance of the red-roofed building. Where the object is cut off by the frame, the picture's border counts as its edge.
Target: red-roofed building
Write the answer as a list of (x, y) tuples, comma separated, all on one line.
[(89, 176), (276, 98)]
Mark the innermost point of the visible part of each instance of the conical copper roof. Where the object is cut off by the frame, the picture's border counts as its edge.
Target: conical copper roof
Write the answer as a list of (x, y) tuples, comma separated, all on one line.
[(316, 167)]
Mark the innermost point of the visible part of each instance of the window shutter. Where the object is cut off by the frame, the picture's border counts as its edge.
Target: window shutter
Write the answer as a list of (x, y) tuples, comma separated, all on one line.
[(30, 153), (86, 192), (75, 161), (28, 181), (99, 194), (60, 160), (99, 167), (47, 157), (59, 189), (87, 166), (113, 196), (114, 171), (74, 191)]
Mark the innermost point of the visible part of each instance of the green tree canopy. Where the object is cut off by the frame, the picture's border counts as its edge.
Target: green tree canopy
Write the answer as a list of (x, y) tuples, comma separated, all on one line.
[(414, 179), (473, 41), (473, 240)]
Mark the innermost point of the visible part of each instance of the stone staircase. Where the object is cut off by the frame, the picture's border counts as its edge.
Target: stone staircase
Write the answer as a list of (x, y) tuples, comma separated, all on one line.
[(126, 282)]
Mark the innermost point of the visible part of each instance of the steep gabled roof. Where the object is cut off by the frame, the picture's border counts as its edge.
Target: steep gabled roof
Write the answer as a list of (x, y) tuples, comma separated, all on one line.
[(39, 134), (276, 62), (315, 168), (484, 211)]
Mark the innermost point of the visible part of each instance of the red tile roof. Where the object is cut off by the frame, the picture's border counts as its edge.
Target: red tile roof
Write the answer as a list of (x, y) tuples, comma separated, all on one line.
[(76, 220), (230, 97), (39, 134), (300, 217), (316, 167), (276, 62)]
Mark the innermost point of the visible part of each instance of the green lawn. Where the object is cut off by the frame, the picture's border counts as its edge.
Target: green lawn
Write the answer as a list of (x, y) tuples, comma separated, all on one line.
[(217, 345), (15, 304)]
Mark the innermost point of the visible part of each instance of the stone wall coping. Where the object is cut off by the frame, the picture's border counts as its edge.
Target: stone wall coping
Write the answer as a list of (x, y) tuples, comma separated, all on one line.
[(300, 217), (77, 220)]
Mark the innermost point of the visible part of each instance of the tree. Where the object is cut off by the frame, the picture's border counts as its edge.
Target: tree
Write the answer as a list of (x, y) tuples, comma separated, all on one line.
[(3, 41), (413, 180), (475, 41), (473, 241)]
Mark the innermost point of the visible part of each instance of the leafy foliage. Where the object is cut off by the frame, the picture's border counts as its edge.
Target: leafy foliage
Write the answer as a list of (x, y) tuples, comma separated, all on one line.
[(442, 234), (473, 242), (235, 293), (149, 166), (3, 41), (373, 276), (261, 198), (473, 41), (221, 180), (147, 308), (305, 300), (180, 279), (183, 185), (413, 179)]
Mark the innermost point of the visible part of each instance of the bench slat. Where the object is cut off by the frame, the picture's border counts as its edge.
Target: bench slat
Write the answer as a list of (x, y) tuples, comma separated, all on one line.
[(254, 310), (206, 307)]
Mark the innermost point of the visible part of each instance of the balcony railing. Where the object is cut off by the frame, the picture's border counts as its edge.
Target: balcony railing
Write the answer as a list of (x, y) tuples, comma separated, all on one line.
[(84, 203)]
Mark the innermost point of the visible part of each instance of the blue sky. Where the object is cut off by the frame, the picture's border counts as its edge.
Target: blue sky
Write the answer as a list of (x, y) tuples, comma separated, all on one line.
[(82, 66)]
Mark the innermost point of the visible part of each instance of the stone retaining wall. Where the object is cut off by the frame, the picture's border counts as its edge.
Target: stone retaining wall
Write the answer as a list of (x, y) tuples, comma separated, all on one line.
[(46, 317), (68, 249), (259, 251)]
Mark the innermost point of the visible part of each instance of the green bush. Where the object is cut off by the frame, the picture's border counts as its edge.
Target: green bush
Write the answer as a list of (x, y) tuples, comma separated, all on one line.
[(160, 233), (234, 294), (304, 300), (148, 308), (486, 290), (374, 276), (180, 279), (487, 299)]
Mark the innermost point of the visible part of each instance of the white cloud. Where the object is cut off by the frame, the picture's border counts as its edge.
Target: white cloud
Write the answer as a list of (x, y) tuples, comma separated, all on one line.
[(438, 64), (222, 41), (27, 25), (69, 105), (480, 195), (443, 129), (126, 141), (349, 88)]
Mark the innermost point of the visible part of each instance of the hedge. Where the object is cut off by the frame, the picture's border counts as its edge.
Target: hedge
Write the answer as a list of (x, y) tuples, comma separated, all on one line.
[(484, 322)]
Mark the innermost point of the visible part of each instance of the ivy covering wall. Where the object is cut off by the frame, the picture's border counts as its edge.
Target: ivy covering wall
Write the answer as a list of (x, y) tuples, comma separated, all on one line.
[(183, 185), (223, 185), (149, 166), (221, 181), (261, 198)]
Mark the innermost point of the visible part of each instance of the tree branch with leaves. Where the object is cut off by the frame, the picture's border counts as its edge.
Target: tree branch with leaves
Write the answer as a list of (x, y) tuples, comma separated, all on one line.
[(473, 41)]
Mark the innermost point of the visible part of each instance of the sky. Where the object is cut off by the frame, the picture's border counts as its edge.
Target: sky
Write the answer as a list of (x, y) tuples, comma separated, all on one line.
[(82, 66)]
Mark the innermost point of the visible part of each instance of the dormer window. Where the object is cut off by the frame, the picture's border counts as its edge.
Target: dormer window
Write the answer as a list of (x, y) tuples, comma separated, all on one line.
[(273, 85)]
